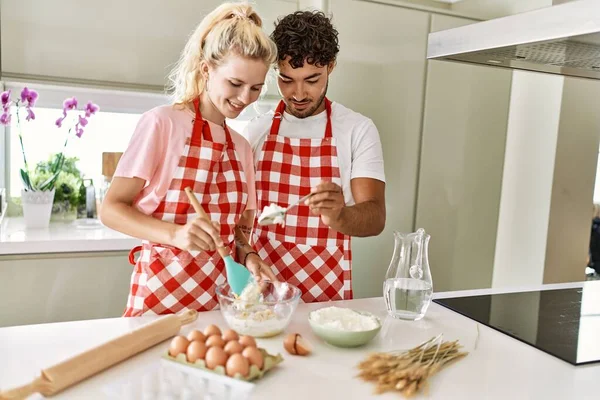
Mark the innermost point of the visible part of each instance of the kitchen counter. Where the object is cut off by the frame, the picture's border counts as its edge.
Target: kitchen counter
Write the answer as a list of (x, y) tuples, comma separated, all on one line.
[(61, 237), (497, 367)]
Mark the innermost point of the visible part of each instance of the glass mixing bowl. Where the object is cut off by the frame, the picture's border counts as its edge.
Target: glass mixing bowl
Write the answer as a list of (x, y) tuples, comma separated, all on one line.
[(264, 315)]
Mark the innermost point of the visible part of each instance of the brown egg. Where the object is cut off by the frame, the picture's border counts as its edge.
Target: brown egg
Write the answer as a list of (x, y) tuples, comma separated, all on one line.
[(254, 356), (196, 335), (178, 345), (247, 341), (296, 345), (230, 335), (196, 350), (233, 347), (215, 356), (212, 330), (215, 341), (237, 364)]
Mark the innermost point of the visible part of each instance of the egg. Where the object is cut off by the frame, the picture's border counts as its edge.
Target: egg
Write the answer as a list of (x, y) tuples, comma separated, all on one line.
[(247, 341), (196, 350), (254, 356), (178, 345), (237, 364), (196, 335), (233, 347), (215, 356), (229, 335), (215, 341), (212, 330)]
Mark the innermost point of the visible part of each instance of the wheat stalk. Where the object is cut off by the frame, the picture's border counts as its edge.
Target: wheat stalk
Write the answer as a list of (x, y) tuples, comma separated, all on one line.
[(407, 371)]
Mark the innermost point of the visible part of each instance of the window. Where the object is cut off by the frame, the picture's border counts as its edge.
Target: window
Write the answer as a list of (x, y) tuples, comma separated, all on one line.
[(106, 132)]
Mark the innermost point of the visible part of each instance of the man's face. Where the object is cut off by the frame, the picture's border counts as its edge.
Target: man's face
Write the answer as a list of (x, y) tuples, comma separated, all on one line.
[(303, 89)]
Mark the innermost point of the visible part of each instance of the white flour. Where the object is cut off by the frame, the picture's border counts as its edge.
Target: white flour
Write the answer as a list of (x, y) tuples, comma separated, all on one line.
[(343, 319)]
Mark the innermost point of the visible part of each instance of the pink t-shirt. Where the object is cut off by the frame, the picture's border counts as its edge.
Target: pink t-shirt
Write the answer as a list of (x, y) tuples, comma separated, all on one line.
[(157, 145)]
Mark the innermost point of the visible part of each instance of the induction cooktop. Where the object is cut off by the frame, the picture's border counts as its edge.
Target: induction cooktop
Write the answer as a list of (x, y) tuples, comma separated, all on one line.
[(564, 323)]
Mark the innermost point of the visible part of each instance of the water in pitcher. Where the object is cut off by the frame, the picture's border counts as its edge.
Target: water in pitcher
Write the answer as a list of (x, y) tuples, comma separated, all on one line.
[(407, 298), (408, 286)]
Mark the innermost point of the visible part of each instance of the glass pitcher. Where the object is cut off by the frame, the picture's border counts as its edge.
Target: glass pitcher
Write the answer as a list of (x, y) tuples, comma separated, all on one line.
[(408, 287)]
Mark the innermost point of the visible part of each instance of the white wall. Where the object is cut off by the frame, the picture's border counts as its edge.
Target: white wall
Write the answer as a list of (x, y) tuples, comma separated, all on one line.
[(460, 175), (488, 9), (573, 183), (132, 42), (527, 180)]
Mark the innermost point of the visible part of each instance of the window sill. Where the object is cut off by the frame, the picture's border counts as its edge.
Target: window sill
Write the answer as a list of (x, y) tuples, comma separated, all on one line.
[(60, 237)]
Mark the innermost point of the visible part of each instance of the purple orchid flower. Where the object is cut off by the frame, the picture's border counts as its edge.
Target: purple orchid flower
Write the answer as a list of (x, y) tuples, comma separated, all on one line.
[(5, 118), (91, 109), (5, 99), (82, 121), (59, 122), (70, 104), (30, 114), (78, 131), (29, 96)]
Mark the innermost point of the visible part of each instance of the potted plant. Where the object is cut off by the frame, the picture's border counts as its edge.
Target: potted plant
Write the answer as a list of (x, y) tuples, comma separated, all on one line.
[(66, 188), (37, 195)]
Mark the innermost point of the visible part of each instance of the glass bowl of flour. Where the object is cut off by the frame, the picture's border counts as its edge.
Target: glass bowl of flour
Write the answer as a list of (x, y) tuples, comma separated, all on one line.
[(344, 327), (261, 310)]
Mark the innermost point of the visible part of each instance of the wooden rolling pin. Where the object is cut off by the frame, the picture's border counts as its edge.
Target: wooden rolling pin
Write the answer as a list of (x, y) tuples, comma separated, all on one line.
[(74, 370)]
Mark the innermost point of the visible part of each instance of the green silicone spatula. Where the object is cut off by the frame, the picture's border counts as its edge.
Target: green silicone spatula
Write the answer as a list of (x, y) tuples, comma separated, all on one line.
[(238, 276)]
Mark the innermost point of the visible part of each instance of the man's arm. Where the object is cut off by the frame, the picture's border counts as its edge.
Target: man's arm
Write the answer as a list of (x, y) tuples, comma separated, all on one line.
[(365, 218)]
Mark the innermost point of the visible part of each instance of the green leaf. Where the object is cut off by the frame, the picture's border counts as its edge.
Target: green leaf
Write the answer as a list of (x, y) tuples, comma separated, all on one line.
[(25, 179), (49, 183)]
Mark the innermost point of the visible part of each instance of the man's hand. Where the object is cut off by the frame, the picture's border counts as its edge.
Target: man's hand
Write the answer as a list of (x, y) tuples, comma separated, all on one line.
[(327, 201)]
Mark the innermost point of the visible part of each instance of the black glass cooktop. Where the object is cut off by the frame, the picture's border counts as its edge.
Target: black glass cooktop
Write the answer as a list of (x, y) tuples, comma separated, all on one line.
[(564, 323)]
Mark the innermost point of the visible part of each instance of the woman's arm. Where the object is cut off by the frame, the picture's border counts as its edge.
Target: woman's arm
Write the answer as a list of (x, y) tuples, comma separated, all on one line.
[(119, 214)]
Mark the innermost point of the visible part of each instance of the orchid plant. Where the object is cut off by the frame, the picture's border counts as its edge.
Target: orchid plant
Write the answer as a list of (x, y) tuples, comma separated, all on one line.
[(23, 108)]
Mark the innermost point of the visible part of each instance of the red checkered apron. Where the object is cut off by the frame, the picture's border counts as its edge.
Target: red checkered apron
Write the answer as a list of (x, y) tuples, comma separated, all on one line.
[(166, 279), (305, 252)]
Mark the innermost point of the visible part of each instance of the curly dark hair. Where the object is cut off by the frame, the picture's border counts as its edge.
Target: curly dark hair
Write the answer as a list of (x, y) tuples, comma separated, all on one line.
[(306, 36)]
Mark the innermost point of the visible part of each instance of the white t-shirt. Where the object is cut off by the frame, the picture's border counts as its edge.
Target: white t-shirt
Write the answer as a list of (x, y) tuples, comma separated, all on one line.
[(357, 140)]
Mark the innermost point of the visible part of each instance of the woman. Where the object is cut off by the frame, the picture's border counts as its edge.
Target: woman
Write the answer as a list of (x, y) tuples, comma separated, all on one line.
[(221, 71)]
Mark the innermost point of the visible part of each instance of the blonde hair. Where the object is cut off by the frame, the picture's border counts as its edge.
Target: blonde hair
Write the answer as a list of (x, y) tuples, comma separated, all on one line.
[(231, 27)]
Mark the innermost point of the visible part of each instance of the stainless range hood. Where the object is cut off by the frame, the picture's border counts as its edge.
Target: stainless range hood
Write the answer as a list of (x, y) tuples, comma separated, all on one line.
[(561, 39)]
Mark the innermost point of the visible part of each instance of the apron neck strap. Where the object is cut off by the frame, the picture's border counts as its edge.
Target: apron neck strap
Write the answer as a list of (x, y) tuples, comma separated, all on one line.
[(201, 129), (278, 116)]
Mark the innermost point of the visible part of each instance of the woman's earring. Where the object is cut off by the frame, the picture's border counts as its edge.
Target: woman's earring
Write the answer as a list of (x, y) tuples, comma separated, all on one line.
[(207, 86)]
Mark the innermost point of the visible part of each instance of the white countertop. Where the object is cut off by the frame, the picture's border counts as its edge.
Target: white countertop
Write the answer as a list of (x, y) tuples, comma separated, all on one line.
[(61, 237), (498, 367)]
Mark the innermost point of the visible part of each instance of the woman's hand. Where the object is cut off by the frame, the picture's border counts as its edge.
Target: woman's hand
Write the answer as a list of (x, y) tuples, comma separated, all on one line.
[(259, 269), (198, 235)]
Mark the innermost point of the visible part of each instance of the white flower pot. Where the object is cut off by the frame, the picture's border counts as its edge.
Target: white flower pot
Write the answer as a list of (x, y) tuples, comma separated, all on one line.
[(37, 208)]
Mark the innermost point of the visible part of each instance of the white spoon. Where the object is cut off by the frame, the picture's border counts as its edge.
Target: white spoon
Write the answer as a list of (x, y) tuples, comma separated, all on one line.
[(278, 216)]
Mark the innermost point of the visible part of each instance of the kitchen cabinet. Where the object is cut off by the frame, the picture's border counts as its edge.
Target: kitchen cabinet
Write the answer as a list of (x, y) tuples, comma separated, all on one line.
[(460, 175), (134, 42), (57, 287), (381, 74)]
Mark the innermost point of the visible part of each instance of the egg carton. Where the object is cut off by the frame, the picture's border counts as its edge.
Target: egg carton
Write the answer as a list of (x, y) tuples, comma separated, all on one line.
[(167, 380), (270, 361)]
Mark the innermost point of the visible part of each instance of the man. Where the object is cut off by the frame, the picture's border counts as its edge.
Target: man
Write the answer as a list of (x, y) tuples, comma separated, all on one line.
[(311, 145)]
